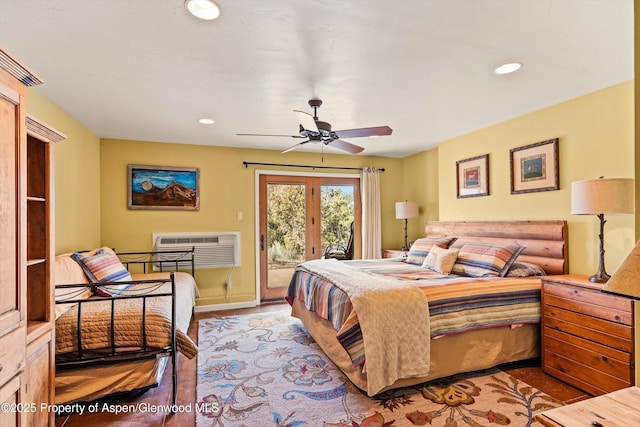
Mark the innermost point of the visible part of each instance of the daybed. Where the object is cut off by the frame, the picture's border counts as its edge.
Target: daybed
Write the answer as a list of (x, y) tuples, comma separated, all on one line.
[(393, 323), (115, 329)]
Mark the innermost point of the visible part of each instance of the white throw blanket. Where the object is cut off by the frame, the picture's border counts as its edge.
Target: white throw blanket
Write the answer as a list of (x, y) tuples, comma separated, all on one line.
[(394, 319)]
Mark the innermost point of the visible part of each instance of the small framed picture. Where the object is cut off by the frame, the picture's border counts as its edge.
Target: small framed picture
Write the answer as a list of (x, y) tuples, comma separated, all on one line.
[(473, 176), (534, 167), (163, 187)]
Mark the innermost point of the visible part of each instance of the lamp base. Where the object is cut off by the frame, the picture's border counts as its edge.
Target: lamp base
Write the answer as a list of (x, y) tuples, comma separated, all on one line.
[(600, 277)]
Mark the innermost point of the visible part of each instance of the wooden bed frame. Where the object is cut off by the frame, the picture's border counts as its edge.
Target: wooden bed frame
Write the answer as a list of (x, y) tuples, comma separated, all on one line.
[(546, 245), (545, 242)]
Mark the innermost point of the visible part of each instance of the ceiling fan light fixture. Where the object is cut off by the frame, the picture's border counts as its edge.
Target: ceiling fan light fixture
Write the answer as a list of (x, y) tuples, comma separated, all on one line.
[(205, 121), (508, 68), (203, 9)]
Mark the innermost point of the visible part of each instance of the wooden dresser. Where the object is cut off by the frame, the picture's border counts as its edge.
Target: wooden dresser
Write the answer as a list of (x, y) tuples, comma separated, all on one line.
[(27, 314), (587, 336)]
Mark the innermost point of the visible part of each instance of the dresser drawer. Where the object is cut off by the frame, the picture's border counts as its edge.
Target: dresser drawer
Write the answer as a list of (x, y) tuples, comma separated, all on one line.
[(597, 356), (12, 355), (608, 333), (590, 303), (581, 376)]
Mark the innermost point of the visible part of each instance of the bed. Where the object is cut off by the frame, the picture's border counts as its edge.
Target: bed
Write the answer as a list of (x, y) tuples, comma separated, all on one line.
[(119, 319), (392, 323)]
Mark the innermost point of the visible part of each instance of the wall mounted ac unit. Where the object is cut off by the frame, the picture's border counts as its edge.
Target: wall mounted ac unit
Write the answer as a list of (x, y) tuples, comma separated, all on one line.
[(212, 249)]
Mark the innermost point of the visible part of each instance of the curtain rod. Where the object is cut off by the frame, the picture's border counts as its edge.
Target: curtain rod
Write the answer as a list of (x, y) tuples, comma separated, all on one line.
[(246, 165)]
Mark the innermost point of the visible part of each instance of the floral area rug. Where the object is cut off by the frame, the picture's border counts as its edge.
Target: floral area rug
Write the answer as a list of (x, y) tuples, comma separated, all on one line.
[(265, 370)]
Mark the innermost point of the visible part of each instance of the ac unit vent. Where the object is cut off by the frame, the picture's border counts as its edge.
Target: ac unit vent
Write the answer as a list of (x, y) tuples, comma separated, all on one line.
[(212, 249)]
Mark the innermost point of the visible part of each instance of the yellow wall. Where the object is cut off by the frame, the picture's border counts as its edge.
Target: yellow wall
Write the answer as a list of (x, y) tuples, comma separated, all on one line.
[(226, 187), (596, 138), (77, 177), (420, 177)]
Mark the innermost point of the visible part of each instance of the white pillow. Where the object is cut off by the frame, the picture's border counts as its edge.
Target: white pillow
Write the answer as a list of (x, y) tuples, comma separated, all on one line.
[(441, 260), (69, 272)]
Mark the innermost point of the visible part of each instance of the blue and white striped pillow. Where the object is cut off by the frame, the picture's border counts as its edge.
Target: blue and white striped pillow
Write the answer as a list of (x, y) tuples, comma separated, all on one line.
[(104, 266), (482, 260)]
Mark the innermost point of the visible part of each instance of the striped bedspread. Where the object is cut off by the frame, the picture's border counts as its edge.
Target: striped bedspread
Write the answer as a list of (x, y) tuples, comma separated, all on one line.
[(456, 304)]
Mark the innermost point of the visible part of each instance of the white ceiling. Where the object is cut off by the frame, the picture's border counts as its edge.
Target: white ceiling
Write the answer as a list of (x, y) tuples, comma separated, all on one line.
[(147, 70)]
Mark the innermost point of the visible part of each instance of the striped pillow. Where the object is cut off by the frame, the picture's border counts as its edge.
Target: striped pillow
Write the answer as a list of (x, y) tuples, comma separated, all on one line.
[(482, 260), (104, 266), (420, 248)]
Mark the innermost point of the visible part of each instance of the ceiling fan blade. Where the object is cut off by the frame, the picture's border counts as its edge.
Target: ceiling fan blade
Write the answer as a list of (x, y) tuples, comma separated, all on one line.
[(357, 133), (346, 146), (262, 134), (293, 147), (306, 121)]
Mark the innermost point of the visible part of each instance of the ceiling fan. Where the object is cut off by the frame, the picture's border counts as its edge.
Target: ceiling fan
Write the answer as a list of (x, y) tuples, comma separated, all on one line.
[(318, 131)]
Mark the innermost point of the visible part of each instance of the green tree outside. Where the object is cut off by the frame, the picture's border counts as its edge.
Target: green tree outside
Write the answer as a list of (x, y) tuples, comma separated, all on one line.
[(286, 207)]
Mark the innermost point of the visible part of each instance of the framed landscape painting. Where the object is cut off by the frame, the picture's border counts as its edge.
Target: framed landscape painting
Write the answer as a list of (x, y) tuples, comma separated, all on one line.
[(534, 167), (163, 187), (473, 176)]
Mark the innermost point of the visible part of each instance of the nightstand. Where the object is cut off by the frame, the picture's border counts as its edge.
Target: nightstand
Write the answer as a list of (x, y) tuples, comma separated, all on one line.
[(587, 336), (393, 253)]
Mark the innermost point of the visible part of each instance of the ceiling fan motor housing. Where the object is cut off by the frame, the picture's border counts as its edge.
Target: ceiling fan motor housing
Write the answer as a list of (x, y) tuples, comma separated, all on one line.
[(324, 131), (324, 128), (321, 131)]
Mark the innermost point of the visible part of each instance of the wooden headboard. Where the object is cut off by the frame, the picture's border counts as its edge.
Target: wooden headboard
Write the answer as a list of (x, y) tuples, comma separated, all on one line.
[(545, 242)]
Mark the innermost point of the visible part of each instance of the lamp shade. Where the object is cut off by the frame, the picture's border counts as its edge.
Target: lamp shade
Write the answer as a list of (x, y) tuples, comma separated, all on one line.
[(406, 210), (602, 196), (626, 280)]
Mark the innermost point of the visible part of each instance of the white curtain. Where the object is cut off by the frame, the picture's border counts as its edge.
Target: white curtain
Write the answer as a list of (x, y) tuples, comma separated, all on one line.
[(371, 221)]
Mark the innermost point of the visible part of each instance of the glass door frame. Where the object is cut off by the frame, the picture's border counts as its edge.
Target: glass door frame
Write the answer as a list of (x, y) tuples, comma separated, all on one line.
[(323, 179)]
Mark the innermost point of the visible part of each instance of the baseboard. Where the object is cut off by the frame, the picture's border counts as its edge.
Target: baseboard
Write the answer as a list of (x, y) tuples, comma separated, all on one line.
[(225, 306)]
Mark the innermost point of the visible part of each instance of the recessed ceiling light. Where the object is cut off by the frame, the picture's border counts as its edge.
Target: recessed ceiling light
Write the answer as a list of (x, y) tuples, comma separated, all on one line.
[(206, 121), (203, 9), (508, 68)]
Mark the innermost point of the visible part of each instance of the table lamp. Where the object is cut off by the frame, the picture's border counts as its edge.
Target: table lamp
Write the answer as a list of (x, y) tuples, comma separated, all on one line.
[(626, 280), (406, 210), (599, 197)]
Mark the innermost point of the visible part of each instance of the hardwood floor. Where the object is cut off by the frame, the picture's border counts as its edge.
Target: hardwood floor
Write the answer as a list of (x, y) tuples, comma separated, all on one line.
[(529, 372)]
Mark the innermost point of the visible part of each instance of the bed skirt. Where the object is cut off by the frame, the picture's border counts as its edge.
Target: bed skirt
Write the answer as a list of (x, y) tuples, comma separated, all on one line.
[(86, 384), (451, 354)]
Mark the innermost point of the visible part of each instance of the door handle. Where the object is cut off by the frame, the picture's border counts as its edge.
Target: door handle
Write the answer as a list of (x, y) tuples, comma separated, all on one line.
[(262, 242)]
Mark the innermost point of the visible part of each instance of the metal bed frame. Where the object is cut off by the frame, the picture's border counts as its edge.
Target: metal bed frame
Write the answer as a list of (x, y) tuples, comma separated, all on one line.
[(160, 260)]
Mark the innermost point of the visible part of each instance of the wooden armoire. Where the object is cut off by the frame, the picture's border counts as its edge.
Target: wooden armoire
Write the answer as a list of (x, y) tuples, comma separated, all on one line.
[(27, 316)]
